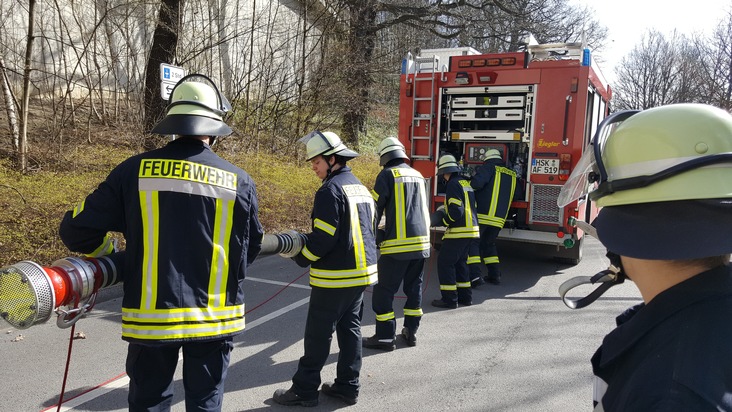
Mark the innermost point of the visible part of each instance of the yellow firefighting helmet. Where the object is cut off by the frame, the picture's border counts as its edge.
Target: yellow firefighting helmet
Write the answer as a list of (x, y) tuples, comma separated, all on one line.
[(391, 148), (325, 143), (196, 108), (492, 154), (664, 179), (447, 164)]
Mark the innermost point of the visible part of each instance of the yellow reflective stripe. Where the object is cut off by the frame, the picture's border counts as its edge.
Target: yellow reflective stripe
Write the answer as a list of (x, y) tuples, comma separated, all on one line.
[(468, 207), (413, 312), (181, 331), (385, 317), (149, 208), (325, 227), (473, 259), (490, 220), (462, 232), (343, 278), (455, 201), (448, 287), (375, 195), (104, 249), (308, 254), (220, 256), (400, 213), (412, 244), (463, 284), (491, 259), (357, 194), (176, 315), (78, 208)]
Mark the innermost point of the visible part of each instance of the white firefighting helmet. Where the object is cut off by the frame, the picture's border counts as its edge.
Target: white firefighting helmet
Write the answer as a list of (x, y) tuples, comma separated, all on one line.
[(664, 179), (492, 154), (447, 164), (391, 148), (325, 143), (196, 108)]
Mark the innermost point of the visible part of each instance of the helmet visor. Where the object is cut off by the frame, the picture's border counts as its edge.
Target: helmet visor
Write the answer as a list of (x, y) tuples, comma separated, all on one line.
[(590, 171)]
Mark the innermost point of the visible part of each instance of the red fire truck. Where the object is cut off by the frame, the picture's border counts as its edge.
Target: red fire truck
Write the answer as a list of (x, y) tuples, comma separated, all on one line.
[(539, 108)]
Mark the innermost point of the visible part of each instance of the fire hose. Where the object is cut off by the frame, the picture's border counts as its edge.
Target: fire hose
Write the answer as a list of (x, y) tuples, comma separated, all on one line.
[(30, 293)]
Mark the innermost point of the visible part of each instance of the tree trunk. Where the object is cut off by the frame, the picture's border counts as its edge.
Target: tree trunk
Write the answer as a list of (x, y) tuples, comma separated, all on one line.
[(9, 105), (23, 144), (362, 38), (163, 50)]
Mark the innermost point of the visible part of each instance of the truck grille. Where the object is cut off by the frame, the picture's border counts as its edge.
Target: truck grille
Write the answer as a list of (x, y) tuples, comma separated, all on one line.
[(544, 207)]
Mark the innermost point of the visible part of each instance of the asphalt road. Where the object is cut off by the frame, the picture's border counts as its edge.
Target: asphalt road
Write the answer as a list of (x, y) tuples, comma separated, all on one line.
[(517, 348)]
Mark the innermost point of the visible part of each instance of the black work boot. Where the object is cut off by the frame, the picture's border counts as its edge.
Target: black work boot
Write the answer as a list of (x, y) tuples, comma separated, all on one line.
[(439, 303), (329, 389), (477, 282), (289, 398), (409, 336), (374, 342)]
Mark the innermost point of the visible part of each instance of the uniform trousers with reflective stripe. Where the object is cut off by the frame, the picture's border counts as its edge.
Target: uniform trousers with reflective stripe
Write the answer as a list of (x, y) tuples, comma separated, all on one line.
[(474, 260), (393, 272), (339, 310), (452, 269), (151, 369), (488, 250)]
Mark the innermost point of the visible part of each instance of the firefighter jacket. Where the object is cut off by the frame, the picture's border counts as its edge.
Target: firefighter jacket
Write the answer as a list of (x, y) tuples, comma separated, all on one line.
[(460, 218), (494, 186), (190, 222), (341, 249), (400, 195)]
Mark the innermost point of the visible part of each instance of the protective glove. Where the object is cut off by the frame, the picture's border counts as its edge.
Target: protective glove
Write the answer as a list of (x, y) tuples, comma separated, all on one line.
[(437, 216)]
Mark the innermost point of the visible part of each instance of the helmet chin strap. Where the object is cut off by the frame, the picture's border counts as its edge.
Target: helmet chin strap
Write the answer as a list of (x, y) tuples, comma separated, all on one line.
[(607, 278)]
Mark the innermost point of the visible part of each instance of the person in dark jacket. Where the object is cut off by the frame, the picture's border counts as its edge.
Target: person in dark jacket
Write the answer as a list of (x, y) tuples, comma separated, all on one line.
[(494, 186), (458, 216), (341, 253), (404, 242), (663, 177), (191, 227)]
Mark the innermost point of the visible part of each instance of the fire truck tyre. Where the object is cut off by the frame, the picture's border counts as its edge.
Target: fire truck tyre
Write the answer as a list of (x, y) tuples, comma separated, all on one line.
[(571, 256)]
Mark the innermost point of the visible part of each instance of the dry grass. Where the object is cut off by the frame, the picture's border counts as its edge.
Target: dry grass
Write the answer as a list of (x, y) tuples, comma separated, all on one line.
[(32, 205)]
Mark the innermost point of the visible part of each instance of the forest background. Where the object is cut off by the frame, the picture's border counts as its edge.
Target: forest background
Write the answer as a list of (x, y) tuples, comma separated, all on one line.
[(81, 86)]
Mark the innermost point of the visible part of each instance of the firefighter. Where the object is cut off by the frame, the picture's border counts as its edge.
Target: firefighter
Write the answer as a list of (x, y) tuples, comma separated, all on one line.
[(341, 253), (191, 227), (400, 195), (494, 185), (663, 178), (458, 215)]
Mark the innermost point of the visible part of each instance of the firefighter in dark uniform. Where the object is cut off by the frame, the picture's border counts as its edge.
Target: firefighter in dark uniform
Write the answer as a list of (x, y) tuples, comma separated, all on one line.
[(341, 253), (663, 177), (494, 185), (400, 194), (458, 215), (190, 223)]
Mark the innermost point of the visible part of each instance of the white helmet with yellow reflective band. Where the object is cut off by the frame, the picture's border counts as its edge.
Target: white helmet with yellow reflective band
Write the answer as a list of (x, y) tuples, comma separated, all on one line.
[(660, 175), (447, 164), (196, 108), (325, 143), (391, 148)]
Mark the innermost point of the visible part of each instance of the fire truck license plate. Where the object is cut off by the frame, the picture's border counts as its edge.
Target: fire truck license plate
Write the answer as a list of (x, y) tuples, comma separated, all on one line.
[(545, 166)]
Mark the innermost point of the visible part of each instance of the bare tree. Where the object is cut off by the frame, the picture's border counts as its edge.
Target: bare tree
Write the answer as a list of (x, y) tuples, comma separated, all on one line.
[(717, 64), (651, 74)]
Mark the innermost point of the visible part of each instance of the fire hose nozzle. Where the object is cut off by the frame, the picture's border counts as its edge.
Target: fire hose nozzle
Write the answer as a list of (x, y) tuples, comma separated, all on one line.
[(31, 293)]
